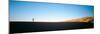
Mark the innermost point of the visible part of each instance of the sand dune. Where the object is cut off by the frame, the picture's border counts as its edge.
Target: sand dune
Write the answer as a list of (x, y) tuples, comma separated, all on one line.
[(84, 19)]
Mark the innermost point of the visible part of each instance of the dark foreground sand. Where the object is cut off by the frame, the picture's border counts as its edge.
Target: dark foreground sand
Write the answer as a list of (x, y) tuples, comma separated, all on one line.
[(21, 27)]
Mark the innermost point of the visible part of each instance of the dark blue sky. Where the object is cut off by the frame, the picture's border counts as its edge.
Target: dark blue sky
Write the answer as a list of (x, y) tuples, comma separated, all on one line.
[(26, 11)]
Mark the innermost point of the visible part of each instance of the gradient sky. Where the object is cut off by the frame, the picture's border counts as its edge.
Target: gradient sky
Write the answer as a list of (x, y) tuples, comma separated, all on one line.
[(50, 12)]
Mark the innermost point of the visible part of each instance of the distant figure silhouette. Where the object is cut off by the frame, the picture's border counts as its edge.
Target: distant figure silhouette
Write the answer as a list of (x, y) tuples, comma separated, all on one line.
[(33, 19)]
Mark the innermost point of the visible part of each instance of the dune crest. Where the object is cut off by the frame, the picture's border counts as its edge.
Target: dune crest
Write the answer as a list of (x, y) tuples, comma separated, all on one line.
[(83, 19)]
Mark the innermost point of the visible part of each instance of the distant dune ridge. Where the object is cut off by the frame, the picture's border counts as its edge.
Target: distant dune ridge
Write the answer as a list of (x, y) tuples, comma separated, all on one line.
[(83, 19)]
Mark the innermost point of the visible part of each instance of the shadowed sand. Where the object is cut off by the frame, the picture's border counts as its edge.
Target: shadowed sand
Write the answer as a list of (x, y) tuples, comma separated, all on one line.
[(19, 27), (25, 26)]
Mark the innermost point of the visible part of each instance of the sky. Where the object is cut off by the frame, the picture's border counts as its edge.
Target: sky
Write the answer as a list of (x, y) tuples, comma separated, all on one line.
[(47, 12)]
